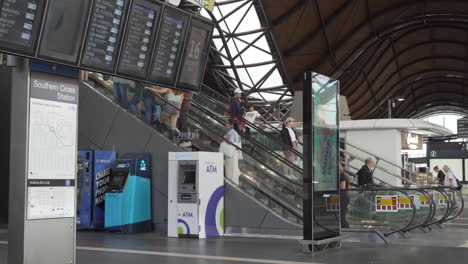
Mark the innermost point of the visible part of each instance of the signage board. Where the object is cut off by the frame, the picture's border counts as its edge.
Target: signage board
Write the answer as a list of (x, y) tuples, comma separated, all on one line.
[(104, 35), (386, 203), (169, 45), (332, 203), (64, 27), (142, 27), (195, 56), (425, 201), (19, 25), (404, 202), (52, 147), (462, 127)]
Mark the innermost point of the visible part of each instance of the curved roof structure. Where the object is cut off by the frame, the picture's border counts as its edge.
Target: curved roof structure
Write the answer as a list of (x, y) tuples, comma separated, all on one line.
[(379, 50)]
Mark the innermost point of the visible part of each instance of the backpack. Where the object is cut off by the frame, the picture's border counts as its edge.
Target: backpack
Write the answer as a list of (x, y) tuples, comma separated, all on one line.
[(459, 185)]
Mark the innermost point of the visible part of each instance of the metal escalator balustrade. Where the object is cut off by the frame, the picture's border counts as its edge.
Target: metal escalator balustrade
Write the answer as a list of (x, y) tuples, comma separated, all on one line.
[(262, 175)]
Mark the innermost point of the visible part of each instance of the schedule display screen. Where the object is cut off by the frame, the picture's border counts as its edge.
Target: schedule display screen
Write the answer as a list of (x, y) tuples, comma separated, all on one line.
[(63, 30), (104, 34), (139, 40), (195, 56), (167, 56), (19, 25)]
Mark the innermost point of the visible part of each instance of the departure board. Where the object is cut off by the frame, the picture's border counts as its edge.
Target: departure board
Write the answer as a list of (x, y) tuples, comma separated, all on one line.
[(171, 38), (63, 32), (19, 25), (104, 35), (195, 55), (139, 40)]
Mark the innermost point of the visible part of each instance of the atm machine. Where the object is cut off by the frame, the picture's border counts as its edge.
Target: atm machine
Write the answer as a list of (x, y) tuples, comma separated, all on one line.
[(128, 197), (94, 167), (196, 194)]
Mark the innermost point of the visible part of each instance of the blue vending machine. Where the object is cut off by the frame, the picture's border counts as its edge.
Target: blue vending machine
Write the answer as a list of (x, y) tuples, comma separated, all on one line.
[(94, 169), (128, 198)]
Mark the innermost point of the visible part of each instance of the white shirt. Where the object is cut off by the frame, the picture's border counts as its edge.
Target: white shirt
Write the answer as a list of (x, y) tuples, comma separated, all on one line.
[(450, 180), (252, 116), (292, 135)]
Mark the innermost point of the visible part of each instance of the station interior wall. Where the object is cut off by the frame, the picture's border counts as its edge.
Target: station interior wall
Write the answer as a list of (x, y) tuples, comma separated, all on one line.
[(5, 117)]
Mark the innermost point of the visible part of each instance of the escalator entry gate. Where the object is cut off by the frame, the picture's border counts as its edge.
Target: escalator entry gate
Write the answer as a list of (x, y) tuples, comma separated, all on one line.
[(93, 174), (128, 196), (196, 194)]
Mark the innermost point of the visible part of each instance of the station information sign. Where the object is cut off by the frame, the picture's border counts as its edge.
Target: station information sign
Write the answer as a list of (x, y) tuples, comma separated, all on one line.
[(462, 126), (196, 55), (64, 28), (167, 56), (139, 40), (104, 35), (19, 25)]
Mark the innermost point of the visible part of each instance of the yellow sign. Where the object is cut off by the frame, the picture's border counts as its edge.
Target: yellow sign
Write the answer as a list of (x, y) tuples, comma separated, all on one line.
[(384, 203), (405, 202)]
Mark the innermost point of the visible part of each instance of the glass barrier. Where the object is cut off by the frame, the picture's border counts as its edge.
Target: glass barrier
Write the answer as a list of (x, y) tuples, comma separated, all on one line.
[(378, 209)]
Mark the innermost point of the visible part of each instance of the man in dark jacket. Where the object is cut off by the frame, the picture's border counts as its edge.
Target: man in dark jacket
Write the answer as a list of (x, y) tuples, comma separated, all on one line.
[(440, 175), (236, 107), (364, 175)]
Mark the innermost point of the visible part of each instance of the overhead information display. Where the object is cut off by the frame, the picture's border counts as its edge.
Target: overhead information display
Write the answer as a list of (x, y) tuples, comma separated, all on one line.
[(196, 55), (167, 56), (104, 34), (52, 146), (139, 40), (19, 25), (63, 30)]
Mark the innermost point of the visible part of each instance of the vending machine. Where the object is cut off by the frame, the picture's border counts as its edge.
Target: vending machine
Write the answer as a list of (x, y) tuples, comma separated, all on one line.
[(196, 194), (94, 169), (128, 197)]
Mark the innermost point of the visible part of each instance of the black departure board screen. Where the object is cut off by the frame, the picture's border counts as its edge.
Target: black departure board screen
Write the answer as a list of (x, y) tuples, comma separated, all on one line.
[(168, 51), (104, 34), (142, 26), (195, 56), (19, 25), (64, 27)]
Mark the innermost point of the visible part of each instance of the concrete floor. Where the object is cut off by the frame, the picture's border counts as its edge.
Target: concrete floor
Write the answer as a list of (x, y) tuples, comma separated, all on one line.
[(438, 246)]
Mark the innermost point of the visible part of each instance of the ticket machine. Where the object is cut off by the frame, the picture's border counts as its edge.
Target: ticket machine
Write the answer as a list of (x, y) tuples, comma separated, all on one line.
[(196, 194), (128, 197), (94, 167)]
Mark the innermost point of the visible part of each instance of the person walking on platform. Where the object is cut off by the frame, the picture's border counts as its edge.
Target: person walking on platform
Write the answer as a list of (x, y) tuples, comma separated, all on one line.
[(440, 175), (450, 179), (365, 179)]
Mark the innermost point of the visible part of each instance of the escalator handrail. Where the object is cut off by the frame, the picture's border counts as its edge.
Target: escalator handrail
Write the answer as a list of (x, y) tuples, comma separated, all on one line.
[(253, 125), (431, 207), (447, 211), (251, 139), (380, 168), (396, 190), (380, 158), (210, 131), (462, 206)]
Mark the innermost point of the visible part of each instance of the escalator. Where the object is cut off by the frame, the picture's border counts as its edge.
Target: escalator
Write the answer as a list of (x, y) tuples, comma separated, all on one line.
[(264, 175), (274, 182)]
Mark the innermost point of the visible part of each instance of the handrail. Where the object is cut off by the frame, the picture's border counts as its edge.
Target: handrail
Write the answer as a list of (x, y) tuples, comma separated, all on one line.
[(380, 158), (253, 125), (447, 211), (254, 141), (380, 168), (210, 131), (462, 206), (431, 207), (395, 190)]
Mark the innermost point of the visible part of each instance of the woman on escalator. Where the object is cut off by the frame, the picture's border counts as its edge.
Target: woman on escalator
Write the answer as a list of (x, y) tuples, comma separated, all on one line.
[(171, 109), (231, 153), (290, 140)]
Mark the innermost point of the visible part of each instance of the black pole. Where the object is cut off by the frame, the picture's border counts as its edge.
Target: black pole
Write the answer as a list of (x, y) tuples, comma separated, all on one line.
[(308, 156)]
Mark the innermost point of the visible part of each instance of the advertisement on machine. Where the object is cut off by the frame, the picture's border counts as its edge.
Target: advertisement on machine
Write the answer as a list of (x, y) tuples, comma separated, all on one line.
[(52, 147), (332, 203)]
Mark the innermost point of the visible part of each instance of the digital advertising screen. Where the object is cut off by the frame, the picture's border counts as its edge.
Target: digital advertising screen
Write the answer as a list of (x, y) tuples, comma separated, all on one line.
[(168, 50), (139, 40), (104, 35), (64, 28), (19, 25), (195, 55)]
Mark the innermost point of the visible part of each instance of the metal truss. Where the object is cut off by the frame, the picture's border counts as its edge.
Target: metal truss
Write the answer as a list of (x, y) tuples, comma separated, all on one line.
[(244, 55)]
